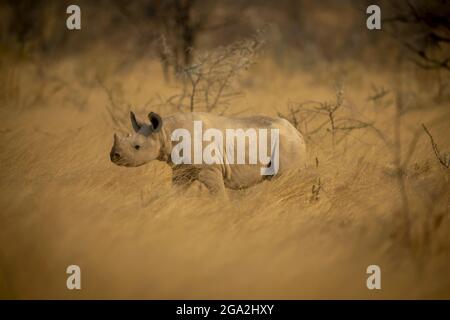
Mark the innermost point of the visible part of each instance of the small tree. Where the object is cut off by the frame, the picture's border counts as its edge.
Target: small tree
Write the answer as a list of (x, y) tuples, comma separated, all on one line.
[(210, 80)]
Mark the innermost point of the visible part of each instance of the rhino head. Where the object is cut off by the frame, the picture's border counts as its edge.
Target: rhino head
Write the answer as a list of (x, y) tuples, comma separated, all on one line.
[(140, 147)]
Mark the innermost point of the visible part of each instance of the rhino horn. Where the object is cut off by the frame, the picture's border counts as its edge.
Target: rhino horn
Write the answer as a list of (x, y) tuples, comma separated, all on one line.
[(134, 122)]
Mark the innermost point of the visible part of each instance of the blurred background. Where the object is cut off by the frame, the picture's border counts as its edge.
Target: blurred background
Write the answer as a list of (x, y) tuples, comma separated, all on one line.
[(299, 35), (373, 106)]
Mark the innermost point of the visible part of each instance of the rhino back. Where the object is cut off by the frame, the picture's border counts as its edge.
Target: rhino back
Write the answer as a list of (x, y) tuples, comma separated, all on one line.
[(292, 150)]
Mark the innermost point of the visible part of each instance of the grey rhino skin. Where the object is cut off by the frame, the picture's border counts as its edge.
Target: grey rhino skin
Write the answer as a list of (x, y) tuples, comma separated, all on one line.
[(152, 141)]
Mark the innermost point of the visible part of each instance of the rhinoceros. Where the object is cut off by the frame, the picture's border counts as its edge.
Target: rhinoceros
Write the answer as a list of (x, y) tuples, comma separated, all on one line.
[(160, 139)]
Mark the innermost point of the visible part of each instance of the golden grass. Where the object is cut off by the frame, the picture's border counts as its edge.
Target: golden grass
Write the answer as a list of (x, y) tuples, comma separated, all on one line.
[(63, 202)]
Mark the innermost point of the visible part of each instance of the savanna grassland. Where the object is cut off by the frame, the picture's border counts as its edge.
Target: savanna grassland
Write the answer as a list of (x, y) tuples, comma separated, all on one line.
[(375, 191)]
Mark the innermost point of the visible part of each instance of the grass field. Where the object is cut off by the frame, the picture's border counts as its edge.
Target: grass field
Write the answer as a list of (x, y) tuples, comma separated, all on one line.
[(309, 234)]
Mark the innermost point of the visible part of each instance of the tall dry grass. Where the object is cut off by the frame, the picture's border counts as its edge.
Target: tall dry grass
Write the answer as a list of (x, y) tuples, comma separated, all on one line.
[(309, 234)]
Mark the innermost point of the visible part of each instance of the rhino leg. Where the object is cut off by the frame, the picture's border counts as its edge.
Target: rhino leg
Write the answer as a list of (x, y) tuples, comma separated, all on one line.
[(212, 178)]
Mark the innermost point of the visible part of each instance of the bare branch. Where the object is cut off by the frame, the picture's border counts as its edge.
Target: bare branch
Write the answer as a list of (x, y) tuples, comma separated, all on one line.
[(444, 162)]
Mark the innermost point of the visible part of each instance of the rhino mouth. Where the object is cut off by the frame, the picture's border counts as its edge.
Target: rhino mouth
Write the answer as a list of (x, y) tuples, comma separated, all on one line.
[(123, 163), (117, 159)]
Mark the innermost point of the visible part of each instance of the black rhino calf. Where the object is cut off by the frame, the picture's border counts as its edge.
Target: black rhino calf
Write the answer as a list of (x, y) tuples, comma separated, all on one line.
[(217, 151)]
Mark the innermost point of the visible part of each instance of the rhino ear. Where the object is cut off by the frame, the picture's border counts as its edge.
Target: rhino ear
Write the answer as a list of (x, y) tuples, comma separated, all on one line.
[(135, 123), (155, 121)]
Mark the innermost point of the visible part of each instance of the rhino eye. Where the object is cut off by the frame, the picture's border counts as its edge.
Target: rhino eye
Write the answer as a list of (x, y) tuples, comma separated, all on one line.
[(137, 147)]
